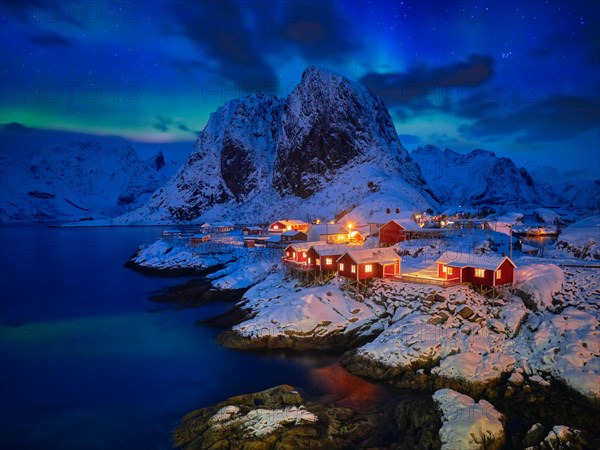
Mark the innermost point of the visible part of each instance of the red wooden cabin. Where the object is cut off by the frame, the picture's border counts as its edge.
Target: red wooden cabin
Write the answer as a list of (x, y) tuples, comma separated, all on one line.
[(482, 270), (362, 264), (288, 224), (324, 257), (397, 230)]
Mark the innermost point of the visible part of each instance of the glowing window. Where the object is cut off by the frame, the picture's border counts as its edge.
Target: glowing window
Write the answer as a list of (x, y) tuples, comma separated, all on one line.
[(289, 254), (444, 269), (498, 273), (318, 262), (310, 260), (328, 261), (304, 254), (342, 266), (275, 227), (289, 227), (293, 254), (368, 268), (450, 270), (479, 273), (353, 268)]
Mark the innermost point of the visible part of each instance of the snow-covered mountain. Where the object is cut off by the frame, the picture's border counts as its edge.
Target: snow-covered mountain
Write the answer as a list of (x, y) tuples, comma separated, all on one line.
[(331, 145), (478, 178), (78, 180), (584, 195)]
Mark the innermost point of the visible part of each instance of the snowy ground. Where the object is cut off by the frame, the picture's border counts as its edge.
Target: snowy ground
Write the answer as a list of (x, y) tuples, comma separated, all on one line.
[(244, 267), (282, 308)]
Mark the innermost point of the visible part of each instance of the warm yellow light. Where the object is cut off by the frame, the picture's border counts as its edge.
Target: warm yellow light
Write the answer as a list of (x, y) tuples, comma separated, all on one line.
[(289, 227), (350, 227)]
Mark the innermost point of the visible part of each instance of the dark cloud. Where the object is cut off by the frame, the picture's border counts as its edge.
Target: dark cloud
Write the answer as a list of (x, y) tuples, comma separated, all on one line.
[(164, 124), (409, 139), (49, 39), (317, 30), (558, 117), (241, 36), (219, 30), (418, 82)]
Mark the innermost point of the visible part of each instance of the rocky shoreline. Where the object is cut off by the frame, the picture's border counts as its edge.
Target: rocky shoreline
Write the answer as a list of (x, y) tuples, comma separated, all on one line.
[(425, 338)]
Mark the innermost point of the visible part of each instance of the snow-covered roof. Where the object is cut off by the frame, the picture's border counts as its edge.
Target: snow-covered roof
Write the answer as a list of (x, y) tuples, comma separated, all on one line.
[(485, 261), (377, 255), (330, 249), (407, 224), (205, 225), (289, 222), (291, 233), (275, 238), (383, 217), (329, 228), (253, 228), (304, 246), (222, 224)]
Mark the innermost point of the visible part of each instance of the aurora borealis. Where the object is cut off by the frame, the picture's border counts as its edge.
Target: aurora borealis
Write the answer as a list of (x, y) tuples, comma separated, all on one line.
[(520, 78)]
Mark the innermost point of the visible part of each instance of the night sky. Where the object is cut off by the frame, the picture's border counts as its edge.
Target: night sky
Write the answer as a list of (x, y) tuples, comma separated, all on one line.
[(518, 78)]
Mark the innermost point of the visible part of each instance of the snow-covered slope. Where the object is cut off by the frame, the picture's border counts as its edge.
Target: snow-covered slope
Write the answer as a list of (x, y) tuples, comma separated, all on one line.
[(477, 178), (79, 180), (330, 146), (584, 195)]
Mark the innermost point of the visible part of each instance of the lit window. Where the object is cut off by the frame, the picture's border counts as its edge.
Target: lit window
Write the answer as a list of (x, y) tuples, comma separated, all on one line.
[(275, 227), (293, 254), (310, 260), (328, 261), (341, 266), (304, 254), (353, 268), (444, 269), (450, 270), (479, 273), (368, 268), (318, 262), (288, 254), (289, 227), (498, 273)]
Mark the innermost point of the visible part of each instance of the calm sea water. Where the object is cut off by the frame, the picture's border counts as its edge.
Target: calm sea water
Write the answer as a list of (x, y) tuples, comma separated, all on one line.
[(87, 361)]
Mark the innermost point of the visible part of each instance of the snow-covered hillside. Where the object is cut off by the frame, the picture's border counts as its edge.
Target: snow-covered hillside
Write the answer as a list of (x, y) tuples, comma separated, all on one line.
[(584, 195), (329, 146), (477, 178), (79, 180)]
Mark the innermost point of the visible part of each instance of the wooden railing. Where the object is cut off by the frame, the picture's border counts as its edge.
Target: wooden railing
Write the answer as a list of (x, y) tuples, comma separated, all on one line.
[(421, 280), (297, 265)]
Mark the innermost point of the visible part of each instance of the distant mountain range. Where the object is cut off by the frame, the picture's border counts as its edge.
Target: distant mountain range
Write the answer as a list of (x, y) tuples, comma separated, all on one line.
[(481, 178), (328, 148), (77, 181)]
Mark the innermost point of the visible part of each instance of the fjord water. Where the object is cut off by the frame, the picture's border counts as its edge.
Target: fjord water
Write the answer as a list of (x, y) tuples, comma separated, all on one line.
[(89, 362)]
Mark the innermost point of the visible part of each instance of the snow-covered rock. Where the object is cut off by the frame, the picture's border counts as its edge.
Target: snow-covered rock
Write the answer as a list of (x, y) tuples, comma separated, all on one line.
[(467, 423), (582, 238), (287, 316), (260, 421), (536, 284)]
